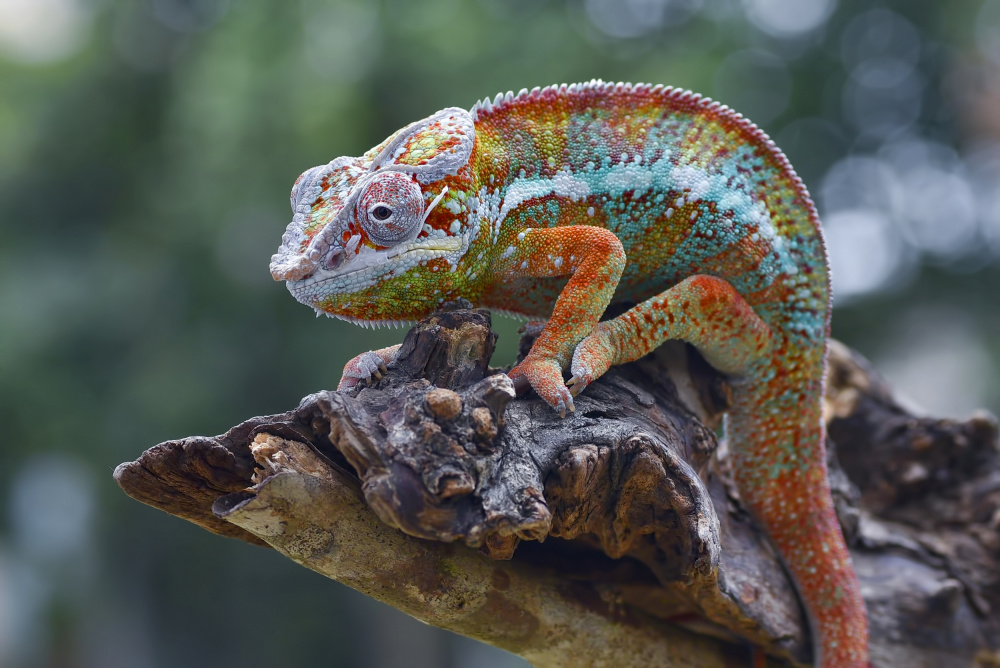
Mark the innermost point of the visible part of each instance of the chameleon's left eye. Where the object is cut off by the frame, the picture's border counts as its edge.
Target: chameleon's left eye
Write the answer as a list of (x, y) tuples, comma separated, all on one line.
[(391, 208)]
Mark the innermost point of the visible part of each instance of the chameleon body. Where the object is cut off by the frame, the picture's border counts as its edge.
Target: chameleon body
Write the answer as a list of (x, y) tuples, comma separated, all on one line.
[(557, 202)]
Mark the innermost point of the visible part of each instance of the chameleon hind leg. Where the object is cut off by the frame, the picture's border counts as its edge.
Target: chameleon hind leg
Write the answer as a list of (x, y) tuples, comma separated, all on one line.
[(705, 311), (775, 435)]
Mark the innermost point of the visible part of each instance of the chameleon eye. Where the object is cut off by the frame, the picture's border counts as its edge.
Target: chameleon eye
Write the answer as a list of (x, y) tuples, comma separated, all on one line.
[(391, 208)]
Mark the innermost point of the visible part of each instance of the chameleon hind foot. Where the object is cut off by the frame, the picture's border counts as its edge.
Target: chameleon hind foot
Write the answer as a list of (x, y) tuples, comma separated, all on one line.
[(592, 358)]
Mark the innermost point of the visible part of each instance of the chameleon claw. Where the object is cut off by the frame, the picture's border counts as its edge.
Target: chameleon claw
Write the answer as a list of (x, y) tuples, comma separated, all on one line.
[(364, 370), (578, 383), (565, 404)]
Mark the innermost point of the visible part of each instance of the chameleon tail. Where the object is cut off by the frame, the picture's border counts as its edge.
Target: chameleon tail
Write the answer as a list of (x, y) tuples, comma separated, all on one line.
[(775, 435), (776, 438)]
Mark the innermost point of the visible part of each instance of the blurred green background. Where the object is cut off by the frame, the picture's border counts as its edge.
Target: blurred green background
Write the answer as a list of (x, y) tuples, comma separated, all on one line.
[(146, 153)]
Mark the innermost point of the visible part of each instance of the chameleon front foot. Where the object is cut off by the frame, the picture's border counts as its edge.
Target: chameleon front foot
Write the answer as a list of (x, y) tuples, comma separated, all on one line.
[(544, 376), (367, 367)]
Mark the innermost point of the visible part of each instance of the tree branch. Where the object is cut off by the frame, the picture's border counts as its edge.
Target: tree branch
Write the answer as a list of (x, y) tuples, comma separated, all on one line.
[(646, 547)]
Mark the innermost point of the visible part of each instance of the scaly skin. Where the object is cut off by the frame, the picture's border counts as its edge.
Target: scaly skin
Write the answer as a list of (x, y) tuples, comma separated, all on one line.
[(554, 204)]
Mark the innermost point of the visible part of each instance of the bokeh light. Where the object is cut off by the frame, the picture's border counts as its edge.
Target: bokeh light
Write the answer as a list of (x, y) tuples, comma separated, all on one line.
[(987, 30), (42, 31), (788, 18)]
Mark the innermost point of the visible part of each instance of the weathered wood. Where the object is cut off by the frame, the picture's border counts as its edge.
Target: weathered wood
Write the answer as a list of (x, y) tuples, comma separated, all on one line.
[(927, 537), (643, 535)]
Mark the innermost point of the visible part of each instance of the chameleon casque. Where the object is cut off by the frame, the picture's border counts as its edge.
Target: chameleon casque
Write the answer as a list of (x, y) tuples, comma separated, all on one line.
[(553, 204)]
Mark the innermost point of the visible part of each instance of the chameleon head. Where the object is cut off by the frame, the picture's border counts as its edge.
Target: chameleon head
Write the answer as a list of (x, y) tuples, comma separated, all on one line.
[(359, 231)]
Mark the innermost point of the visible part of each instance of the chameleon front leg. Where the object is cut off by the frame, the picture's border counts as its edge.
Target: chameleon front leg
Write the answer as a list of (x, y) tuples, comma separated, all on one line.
[(705, 311), (594, 259)]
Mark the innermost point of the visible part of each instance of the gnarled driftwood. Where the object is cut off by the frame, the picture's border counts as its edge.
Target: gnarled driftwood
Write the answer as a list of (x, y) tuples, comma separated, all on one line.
[(433, 491)]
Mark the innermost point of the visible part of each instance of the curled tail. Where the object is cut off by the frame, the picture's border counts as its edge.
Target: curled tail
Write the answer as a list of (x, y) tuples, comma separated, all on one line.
[(776, 438)]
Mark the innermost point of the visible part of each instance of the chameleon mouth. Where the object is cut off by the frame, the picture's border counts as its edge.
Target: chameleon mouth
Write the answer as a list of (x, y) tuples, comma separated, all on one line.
[(370, 267)]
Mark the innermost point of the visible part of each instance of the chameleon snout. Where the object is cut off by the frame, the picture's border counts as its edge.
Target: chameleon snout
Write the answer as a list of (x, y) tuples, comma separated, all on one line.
[(295, 269)]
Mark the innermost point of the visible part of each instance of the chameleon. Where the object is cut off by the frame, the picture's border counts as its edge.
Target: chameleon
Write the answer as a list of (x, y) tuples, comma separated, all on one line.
[(555, 203)]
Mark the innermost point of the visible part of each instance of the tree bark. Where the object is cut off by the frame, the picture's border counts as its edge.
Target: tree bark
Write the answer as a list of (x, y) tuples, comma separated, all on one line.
[(613, 537)]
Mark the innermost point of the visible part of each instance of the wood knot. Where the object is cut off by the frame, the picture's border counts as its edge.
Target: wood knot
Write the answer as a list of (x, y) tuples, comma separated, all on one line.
[(443, 403), (482, 421)]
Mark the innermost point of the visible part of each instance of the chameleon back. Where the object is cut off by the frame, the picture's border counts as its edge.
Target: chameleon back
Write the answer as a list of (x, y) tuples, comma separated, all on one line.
[(688, 186)]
